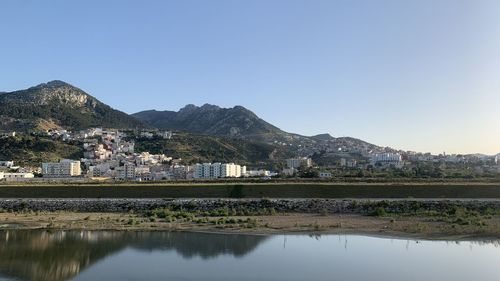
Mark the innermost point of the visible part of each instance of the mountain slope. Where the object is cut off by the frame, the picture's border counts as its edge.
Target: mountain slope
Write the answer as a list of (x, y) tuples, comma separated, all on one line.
[(57, 103), (204, 148), (213, 120), (32, 151)]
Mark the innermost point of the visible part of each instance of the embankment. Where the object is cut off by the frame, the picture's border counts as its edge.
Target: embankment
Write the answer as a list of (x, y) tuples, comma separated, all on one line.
[(333, 206)]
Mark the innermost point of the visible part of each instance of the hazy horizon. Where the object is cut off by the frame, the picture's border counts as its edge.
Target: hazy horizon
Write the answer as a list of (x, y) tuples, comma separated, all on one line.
[(412, 75)]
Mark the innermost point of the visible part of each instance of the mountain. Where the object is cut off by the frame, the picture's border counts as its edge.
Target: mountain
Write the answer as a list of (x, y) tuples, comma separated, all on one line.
[(244, 126), (59, 104), (192, 148), (237, 122), (323, 137), (212, 132)]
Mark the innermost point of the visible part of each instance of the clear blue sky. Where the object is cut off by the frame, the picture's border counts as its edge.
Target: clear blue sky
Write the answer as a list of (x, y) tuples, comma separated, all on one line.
[(412, 74)]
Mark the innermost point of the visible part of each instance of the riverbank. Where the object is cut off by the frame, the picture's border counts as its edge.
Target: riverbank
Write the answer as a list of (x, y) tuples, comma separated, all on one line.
[(425, 219), (399, 226)]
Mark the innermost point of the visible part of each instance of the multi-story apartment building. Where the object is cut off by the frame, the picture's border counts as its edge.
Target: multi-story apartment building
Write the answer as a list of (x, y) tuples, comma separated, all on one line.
[(295, 163), (15, 176), (386, 158), (65, 168), (230, 170), (125, 172), (218, 170)]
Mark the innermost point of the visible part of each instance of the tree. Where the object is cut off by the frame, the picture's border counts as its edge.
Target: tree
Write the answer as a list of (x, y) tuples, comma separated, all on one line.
[(309, 172)]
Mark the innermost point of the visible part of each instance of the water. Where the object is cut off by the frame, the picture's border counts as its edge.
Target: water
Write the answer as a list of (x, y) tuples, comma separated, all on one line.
[(86, 255)]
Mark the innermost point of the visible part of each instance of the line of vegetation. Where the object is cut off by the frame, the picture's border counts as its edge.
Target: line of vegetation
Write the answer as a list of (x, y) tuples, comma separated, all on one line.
[(452, 213)]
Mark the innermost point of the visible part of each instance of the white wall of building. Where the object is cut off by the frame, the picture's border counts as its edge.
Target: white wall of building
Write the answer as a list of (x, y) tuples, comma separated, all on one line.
[(65, 168), (218, 170)]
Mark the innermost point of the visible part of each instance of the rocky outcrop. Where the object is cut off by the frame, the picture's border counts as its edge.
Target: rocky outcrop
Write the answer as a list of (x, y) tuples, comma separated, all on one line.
[(62, 104)]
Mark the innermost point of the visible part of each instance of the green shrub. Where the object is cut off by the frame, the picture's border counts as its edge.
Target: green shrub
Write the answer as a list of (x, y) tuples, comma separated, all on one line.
[(380, 212)]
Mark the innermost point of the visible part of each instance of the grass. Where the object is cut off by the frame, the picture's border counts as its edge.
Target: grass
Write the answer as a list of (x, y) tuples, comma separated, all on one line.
[(451, 214), (222, 217)]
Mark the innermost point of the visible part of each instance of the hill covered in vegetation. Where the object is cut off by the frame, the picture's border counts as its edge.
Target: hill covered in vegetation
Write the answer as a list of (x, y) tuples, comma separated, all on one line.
[(237, 122), (32, 151), (59, 104), (203, 148)]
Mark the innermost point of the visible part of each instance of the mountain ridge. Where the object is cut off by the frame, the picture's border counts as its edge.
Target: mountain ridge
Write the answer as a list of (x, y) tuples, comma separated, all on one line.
[(59, 104), (210, 119)]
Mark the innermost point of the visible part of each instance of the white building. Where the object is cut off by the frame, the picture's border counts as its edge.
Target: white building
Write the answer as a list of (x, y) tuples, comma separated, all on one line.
[(165, 134), (289, 172), (230, 170), (295, 163), (7, 164), (142, 170), (16, 176), (325, 175), (352, 163), (180, 172), (147, 135), (65, 168), (125, 172), (218, 170), (8, 134), (386, 158), (259, 173)]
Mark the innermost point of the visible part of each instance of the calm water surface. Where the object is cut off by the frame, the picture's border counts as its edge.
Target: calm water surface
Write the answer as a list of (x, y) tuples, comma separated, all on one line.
[(86, 255)]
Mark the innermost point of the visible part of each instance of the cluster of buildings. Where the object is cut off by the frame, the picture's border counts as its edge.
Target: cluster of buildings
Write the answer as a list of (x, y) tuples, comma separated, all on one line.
[(111, 154), (293, 165), (162, 134), (64, 169), (7, 134), (394, 160), (66, 135), (10, 172)]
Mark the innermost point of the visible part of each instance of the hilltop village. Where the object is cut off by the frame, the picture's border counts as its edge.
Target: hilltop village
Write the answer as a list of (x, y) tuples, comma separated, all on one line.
[(112, 155)]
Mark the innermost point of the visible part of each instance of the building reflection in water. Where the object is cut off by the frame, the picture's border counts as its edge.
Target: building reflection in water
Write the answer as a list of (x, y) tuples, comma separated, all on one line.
[(61, 255)]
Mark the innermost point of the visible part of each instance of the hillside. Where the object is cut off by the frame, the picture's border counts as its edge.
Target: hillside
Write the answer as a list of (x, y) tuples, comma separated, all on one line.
[(241, 123), (32, 151), (58, 104), (203, 148), (210, 133), (237, 122)]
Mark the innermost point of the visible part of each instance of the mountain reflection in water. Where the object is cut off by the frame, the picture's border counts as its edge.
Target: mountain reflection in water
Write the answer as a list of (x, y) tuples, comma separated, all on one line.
[(61, 255)]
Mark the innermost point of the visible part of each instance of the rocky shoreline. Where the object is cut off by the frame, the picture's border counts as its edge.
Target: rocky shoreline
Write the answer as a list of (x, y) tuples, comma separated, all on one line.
[(326, 206)]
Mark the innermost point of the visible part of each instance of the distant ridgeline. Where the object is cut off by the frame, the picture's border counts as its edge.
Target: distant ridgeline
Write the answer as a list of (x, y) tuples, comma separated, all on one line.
[(206, 133)]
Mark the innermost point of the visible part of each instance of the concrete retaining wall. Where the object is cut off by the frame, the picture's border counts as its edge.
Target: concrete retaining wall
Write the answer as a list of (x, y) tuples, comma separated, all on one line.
[(280, 205)]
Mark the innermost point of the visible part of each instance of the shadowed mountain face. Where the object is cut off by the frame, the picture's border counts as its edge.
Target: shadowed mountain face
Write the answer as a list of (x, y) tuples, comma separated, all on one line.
[(213, 120), (57, 104), (61, 255)]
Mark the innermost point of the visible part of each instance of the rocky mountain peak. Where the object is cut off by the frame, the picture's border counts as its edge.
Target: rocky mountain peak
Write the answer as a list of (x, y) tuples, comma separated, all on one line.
[(53, 92), (64, 104)]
